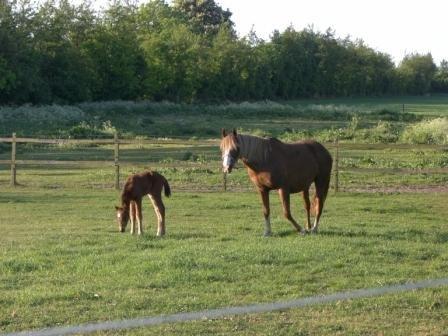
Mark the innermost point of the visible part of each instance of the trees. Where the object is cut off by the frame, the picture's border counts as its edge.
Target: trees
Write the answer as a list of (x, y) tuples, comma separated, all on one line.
[(115, 54), (204, 16), (416, 73), (59, 32), (21, 77), (184, 51), (173, 57), (440, 81)]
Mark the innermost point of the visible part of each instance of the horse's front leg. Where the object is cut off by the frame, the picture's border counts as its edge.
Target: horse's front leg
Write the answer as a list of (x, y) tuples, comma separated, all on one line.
[(139, 217), (266, 212), (285, 198)]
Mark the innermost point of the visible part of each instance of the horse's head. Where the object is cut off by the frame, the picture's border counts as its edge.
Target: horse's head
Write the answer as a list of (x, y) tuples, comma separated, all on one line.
[(229, 150), (122, 218)]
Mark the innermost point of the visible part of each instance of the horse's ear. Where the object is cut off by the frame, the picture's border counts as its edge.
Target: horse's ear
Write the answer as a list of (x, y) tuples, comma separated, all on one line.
[(223, 132), (234, 132)]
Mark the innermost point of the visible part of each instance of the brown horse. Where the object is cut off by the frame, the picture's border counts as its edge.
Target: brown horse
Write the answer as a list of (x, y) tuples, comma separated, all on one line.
[(288, 168), (148, 183)]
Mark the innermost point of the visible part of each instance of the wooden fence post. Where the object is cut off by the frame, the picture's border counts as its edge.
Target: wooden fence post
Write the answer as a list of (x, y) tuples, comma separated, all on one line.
[(336, 166), (13, 161), (116, 161)]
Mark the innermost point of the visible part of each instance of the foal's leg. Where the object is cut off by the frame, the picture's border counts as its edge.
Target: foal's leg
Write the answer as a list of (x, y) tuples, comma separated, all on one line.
[(284, 196), (159, 209), (266, 212), (139, 216), (132, 214), (306, 200)]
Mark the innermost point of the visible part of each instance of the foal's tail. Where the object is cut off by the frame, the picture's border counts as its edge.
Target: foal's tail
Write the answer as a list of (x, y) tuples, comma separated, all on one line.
[(166, 186)]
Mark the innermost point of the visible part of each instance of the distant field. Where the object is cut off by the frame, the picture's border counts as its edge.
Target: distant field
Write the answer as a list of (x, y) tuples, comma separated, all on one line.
[(63, 262), (164, 119), (429, 105)]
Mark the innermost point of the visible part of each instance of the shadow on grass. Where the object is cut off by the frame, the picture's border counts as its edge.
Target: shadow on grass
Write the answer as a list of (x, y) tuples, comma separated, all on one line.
[(405, 235)]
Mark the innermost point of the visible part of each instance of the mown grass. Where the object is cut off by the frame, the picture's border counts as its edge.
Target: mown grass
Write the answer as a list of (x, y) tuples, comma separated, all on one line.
[(63, 262)]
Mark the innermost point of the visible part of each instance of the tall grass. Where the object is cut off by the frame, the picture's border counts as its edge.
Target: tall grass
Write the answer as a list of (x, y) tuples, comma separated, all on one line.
[(427, 132), (354, 120)]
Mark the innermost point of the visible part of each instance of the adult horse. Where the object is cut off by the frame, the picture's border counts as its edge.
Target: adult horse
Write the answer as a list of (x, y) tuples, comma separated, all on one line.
[(288, 168)]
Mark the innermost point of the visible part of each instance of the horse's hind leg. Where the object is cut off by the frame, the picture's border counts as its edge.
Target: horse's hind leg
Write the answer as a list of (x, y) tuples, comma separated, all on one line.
[(306, 200), (321, 193), (318, 210), (132, 214), (159, 209), (285, 198), (266, 212), (139, 217)]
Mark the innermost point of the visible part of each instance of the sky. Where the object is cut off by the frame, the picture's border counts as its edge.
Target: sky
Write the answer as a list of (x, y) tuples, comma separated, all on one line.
[(395, 27)]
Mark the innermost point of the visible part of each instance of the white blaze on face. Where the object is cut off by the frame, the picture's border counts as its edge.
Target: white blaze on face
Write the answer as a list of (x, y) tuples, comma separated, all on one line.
[(118, 215), (226, 159)]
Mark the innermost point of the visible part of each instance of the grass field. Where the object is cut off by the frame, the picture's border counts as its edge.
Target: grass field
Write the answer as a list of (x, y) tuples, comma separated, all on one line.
[(63, 262), (164, 119)]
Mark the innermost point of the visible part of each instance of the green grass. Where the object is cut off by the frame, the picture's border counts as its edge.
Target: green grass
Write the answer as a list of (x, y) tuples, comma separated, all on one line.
[(64, 262)]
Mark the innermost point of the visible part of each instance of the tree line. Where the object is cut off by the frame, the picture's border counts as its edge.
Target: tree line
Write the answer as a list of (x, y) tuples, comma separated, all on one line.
[(185, 51)]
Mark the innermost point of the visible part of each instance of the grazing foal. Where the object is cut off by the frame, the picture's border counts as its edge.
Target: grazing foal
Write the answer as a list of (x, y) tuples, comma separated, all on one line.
[(148, 183)]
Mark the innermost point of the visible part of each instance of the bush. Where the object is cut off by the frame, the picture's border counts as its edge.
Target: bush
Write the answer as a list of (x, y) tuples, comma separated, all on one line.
[(86, 130), (392, 115), (427, 132), (383, 132)]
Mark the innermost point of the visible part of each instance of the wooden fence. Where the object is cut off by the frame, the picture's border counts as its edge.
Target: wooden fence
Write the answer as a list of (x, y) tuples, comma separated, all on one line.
[(115, 159), (116, 163)]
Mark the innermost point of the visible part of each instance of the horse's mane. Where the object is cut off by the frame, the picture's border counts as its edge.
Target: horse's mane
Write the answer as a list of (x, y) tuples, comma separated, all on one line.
[(227, 143), (254, 149)]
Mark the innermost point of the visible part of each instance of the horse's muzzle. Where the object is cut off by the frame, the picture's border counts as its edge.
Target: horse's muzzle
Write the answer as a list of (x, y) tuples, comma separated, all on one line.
[(227, 170)]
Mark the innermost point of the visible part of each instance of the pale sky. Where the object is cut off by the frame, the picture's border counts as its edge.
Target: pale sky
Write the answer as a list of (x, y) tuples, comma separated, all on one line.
[(396, 27)]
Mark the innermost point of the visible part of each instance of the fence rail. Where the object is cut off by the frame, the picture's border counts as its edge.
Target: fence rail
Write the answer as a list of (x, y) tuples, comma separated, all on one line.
[(115, 161)]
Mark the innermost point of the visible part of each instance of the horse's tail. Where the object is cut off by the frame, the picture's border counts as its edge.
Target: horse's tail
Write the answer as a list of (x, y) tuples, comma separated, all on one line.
[(166, 186), (322, 180)]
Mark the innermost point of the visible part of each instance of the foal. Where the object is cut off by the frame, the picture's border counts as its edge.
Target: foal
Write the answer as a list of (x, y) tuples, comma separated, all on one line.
[(148, 183)]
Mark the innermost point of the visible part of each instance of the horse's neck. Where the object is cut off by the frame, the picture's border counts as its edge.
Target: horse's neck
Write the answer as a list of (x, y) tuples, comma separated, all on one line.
[(125, 200), (254, 150)]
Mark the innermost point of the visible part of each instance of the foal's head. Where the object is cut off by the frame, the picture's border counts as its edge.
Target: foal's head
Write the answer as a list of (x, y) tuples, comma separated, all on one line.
[(229, 150), (122, 218)]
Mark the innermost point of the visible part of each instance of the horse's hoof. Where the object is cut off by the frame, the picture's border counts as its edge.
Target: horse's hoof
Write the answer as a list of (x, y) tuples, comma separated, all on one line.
[(303, 232), (267, 234)]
